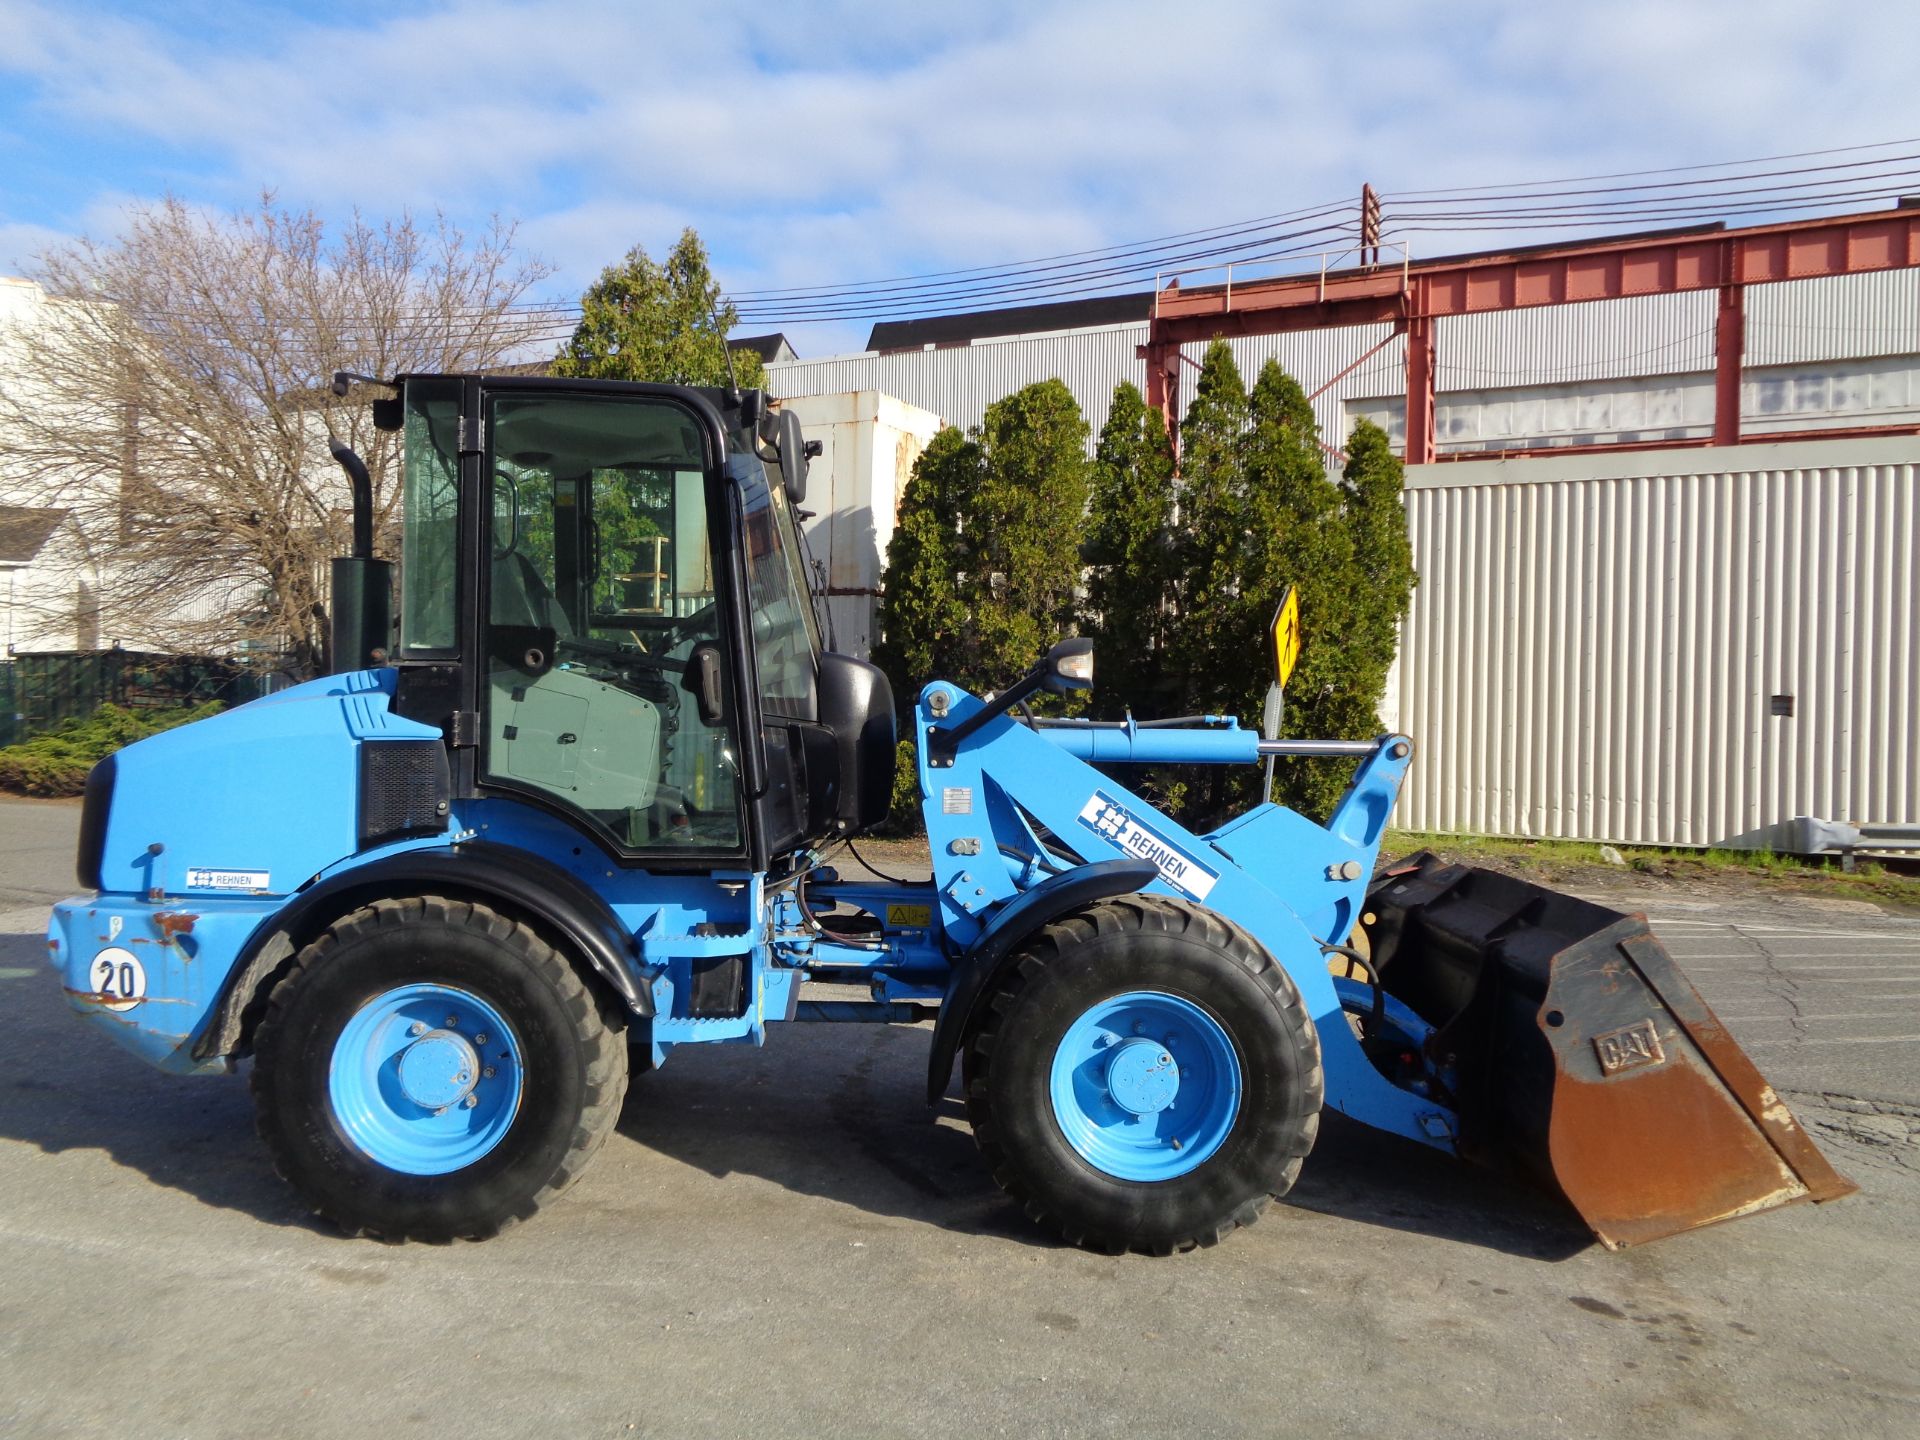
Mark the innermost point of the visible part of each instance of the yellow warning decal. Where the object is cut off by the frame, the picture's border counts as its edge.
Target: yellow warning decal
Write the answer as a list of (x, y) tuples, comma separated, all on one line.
[(910, 917)]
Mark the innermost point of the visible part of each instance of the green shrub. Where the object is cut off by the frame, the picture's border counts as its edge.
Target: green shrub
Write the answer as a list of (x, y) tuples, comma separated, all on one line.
[(57, 763), (904, 818)]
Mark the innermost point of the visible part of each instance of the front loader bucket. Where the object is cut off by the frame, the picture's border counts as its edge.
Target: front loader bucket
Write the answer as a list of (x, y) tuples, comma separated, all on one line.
[(1574, 1047)]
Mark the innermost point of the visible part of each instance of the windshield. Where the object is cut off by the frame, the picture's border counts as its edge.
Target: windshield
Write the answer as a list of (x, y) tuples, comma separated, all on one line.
[(786, 631)]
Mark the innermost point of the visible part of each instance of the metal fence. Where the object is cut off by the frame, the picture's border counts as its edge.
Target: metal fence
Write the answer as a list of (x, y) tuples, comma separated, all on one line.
[(41, 692)]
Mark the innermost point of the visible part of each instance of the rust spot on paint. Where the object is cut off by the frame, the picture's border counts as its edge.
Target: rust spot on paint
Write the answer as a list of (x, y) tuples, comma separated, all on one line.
[(174, 923)]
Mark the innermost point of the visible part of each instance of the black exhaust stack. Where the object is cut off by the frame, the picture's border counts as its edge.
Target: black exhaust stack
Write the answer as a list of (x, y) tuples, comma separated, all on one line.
[(361, 621)]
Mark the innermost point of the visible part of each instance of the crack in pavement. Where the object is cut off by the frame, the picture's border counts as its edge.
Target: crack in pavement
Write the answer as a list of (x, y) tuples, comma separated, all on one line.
[(1877, 1130), (1787, 989)]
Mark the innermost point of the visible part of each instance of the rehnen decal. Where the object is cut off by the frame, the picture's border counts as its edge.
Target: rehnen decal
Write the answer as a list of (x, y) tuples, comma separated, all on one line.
[(229, 879), (1113, 822)]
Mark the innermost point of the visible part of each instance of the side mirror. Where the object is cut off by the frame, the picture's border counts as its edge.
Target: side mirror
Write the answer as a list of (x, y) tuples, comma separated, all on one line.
[(702, 681), (1069, 666), (793, 457)]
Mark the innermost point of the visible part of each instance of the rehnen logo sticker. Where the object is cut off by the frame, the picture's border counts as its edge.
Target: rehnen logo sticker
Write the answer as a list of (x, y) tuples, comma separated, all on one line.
[(1117, 825), (205, 879)]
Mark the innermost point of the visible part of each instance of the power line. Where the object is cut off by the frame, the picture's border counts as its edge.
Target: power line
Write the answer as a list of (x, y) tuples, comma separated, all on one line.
[(1666, 170), (1724, 188), (1412, 197)]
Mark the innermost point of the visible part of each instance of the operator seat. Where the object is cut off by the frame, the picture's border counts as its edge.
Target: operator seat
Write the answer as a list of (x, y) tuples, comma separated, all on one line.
[(521, 597)]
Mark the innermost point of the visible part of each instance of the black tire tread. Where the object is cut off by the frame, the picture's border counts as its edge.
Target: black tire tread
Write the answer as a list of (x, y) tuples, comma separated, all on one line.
[(605, 1045), (1140, 914)]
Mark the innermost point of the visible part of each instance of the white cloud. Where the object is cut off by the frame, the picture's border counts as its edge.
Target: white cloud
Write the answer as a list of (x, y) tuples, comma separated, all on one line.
[(837, 140), (22, 242)]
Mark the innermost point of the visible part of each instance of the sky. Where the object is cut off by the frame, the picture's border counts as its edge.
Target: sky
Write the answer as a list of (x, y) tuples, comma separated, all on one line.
[(828, 141)]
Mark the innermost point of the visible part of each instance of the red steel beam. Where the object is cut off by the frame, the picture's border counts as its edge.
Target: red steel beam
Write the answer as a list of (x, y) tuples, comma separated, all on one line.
[(1560, 275), (1412, 297), (1420, 390), (1729, 346), (1691, 442)]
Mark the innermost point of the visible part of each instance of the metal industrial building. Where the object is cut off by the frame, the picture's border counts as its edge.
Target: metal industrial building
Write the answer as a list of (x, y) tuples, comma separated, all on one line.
[(1678, 642)]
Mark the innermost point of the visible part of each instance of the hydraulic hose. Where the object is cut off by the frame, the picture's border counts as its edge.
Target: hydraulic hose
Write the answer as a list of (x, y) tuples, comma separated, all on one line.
[(1354, 957)]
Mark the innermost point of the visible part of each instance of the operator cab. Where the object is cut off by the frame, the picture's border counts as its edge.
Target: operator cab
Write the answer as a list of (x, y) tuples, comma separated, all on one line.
[(604, 604)]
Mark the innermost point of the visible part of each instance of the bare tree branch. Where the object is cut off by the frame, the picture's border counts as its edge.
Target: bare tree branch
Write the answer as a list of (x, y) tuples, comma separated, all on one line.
[(174, 399)]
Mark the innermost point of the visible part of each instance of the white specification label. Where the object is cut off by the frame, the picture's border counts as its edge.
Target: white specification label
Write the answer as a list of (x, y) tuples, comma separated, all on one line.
[(229, 879), (956, 800)]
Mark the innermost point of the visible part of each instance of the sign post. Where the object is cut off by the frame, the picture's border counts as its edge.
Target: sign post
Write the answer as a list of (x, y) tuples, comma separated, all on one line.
[(1286, 654)]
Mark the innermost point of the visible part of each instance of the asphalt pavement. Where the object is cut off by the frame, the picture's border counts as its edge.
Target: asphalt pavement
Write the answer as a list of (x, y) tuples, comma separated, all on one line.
[(786, 1242)]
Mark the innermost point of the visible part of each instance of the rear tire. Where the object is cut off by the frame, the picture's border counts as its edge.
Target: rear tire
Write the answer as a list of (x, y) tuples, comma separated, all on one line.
[(1144, 1077), (430, 1069)]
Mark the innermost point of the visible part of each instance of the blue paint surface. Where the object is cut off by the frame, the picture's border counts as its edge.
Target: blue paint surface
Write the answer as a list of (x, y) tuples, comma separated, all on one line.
[(270, 791), (1145, 1086), (426, 1079)]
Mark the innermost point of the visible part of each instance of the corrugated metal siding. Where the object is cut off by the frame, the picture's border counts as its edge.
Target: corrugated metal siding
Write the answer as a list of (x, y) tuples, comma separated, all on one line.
[(1853, 316), (1313, 357), (958, 384), (1842, 317), (1648, 335), (1593, 658)]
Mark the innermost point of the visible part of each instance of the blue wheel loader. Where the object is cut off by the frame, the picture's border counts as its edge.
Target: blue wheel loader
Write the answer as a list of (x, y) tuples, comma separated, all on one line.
[(578, 808)]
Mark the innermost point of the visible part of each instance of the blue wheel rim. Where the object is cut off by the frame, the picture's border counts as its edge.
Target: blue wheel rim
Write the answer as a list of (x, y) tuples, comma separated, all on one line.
[(426, 1079), (1145, 1086)]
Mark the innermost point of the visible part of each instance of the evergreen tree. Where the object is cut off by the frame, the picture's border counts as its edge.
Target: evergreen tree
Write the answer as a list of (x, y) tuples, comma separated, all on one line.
[(1296, 537), (1258, 513), (1020, 544), (646, 321), (923, 615), (1207, 544), (1130, 573), (1377, 526), (983, 568)]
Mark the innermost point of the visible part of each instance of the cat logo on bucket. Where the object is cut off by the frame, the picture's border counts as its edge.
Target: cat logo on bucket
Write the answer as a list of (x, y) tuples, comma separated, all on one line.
[(1629, 1049)]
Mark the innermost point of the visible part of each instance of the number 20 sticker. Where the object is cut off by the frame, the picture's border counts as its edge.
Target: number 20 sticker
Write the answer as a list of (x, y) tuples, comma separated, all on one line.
[(118, 978)]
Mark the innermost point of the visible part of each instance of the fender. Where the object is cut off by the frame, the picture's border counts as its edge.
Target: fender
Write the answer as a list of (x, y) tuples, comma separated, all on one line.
[(1052, 898), (478, 870)]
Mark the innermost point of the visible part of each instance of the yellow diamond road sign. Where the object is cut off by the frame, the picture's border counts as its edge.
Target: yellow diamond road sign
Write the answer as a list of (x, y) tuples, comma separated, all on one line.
[(1286, 637)]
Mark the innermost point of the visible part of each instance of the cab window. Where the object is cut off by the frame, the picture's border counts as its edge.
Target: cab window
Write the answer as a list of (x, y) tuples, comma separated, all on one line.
[(602, 584)]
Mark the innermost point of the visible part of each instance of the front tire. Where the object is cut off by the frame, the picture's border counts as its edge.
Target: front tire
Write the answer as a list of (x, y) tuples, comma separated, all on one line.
[(430, 1069), (1145, 1077)]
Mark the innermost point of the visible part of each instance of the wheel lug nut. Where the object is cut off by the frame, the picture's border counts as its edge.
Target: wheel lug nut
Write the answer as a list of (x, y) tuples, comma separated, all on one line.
[(471, 1101), (487, 1073), (452, 1021), (481, 1038), (417, 1028)]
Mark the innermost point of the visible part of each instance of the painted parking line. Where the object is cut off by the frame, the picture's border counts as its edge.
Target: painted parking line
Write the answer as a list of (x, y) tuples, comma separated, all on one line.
[(1805, 1019), (1840, 1040), (1786, 961)]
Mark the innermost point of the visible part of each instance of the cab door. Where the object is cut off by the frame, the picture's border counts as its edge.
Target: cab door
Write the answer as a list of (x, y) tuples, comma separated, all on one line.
[(602, 577)]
